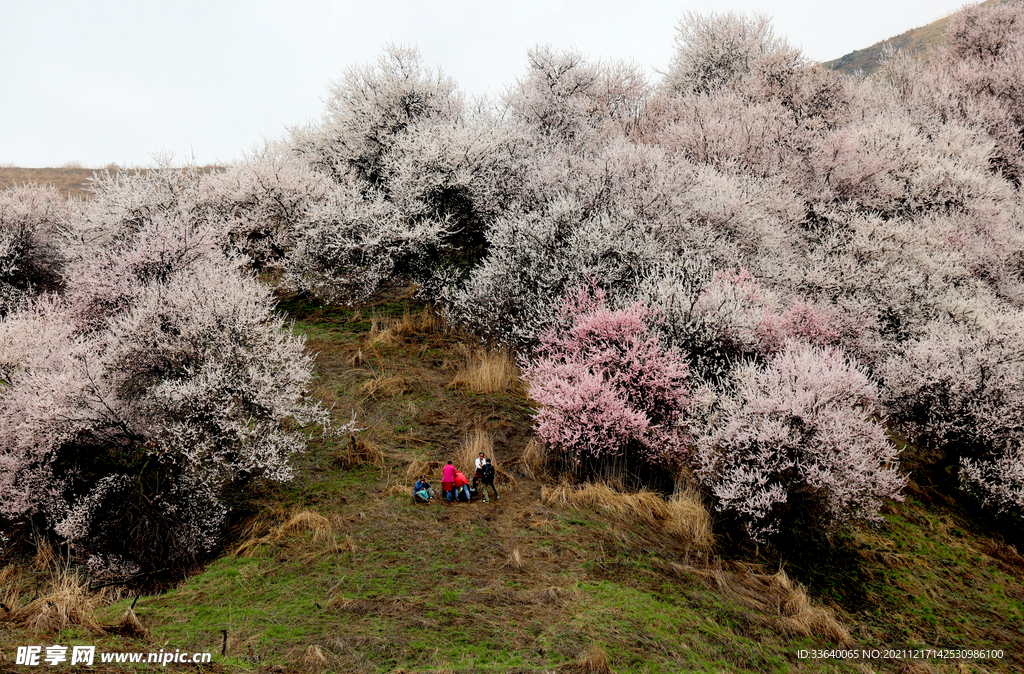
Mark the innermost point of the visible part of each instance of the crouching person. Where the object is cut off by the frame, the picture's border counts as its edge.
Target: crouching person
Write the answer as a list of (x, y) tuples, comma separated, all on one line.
[(462, 486)]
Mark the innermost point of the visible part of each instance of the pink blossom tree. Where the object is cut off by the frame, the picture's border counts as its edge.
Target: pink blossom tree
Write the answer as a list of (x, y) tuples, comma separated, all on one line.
[(609, 394)]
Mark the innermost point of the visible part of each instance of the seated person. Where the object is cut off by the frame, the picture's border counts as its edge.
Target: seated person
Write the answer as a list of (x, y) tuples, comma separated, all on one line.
[(423, 490)]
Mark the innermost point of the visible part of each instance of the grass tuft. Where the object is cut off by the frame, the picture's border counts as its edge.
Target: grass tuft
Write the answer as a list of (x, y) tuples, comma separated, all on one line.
[(313, 660), (417, 467), (488, 372), (784, 602), (594, 661), (130, 626), (389, 331), (261, 532), (535, 460), (360, 453), (473, 444), (66, 602), (515, 561), (683, 516)]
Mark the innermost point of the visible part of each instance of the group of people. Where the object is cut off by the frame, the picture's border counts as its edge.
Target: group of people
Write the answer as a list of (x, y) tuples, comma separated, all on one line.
[(455, 485)]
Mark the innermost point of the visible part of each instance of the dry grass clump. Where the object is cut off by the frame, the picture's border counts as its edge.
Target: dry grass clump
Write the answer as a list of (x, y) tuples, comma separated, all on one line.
[(384, 386), (535, 463), (10, 590), (66, 602), (129, 625), (643, 507), (488, 372), (313, 660), (417, 468), (682, 517), (515, 561), (688, 520), (388, 330), (360, 453), (784, 602), (797, 613), (594, 661), (552, 596), (473, 443), (260, 531), (44, 558)]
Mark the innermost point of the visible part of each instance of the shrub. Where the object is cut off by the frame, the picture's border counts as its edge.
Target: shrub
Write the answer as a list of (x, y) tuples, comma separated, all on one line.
[(998, 480), (801, 434), (369, 108), (33, 218), (716, 49), (162, 377), (610, 396)]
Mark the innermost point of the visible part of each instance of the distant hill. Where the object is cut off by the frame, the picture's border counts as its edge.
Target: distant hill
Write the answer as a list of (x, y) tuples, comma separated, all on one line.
[(920, 40), (70, 180)]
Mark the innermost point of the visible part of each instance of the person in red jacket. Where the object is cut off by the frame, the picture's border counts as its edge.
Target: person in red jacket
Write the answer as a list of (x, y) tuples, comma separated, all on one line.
[(447, 481), (462, 484)]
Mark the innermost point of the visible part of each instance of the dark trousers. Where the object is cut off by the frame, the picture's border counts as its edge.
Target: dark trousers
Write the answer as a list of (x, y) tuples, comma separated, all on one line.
[(483, 490)]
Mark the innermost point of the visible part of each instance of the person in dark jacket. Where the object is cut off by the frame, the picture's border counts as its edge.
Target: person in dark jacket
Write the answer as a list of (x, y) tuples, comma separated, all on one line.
[(487, 477)]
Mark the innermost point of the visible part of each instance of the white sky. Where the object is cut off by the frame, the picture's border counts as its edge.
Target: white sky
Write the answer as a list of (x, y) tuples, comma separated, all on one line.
[(106, 81)]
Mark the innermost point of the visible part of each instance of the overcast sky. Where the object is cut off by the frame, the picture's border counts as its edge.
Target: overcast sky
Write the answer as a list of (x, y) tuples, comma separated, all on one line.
[(101, 82)]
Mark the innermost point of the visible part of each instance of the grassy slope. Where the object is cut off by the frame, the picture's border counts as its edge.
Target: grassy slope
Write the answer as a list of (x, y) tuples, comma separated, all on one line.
[(70, 180), (918, 40), (394, 584), (67, 180)]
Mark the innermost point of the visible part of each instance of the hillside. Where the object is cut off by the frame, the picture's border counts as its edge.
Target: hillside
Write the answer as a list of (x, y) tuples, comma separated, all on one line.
[(72, 181), (69, 180), (340, 571), (918, 40)]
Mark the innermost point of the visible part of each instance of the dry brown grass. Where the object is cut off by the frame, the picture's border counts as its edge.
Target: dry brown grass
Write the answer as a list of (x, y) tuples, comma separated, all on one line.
[(798, 614), (472, 445), (66, 602), (130, 626), (383, 385), (357, 359), (535, 463), (263, 530), (488, 372), (418, 467), (44, 558), (360, 453), (688, 519), (11, 579), (682, 517), (515, 561), (386, 330), (594, 661), (313, 660), (784, 603)]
